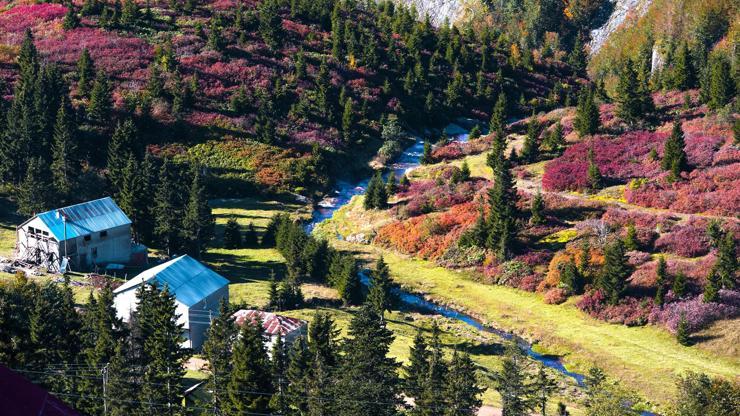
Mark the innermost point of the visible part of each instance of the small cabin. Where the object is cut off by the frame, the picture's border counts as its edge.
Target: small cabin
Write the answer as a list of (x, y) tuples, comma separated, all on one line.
[(78, 237), (198, 293), (274, 326)]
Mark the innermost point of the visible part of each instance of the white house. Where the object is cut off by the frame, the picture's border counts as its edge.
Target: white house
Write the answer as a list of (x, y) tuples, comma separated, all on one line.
[(198, 293), (274, 325), (93, 233)]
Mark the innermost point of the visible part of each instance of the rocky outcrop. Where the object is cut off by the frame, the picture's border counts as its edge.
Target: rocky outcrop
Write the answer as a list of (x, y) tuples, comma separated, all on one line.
[(622, 10), (453, 10)]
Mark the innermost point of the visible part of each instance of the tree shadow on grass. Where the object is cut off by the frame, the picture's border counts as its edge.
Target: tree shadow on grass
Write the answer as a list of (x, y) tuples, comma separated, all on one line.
[(237, 270)]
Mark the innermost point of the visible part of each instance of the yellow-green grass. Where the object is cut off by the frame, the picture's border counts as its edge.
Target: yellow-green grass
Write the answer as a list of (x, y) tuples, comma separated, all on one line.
[(81, 293), (562, 236), (8, 221), (645, 358), (352, 219)]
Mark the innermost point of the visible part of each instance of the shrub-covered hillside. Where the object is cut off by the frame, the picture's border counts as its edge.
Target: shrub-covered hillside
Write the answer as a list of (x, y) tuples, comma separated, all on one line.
[(266, 94)]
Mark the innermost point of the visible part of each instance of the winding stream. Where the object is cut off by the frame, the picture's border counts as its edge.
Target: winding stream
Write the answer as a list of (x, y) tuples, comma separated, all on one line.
[(406, 162)]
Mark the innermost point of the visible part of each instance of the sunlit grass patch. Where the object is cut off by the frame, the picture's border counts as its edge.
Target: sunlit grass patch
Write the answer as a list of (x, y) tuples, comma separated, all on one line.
[(560, 237)]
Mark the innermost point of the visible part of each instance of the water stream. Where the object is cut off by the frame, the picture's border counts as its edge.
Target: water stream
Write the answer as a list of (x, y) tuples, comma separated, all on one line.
[(406, 162)]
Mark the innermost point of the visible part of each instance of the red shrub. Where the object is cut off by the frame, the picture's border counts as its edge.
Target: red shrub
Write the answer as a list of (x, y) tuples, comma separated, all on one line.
[(555, 296)]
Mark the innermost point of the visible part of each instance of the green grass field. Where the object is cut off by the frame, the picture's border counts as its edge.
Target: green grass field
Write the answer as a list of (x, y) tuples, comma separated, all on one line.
[(645, 358)]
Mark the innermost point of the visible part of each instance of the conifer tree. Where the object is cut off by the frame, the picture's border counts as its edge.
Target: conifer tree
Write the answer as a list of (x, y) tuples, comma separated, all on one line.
[(85, 73), (530, 148), (418, 367), (720, 85), (661, 277), (298, 375), (380, 295), (631, 242), (572, 278), (629, 106), (727, 262), (502, 199), (594, 173), (279, 361), (577, 57), (129, 13), (543, 387), (391, 187), (462, 393), (511, 382), (555, 141), (71, 20), (616, 270), (165, 210), (197, 221), (679, 285), (217, 349), (250, 375), (347, 120), (120, 149), (537, 209), (674, 155), (429, 400), (130, 197), (35, 193), (270, 24), (64, 165), (498, 115), (587, 113), (683, 70), (366, 372), (101, 105), (426, 157), (232, 234), (711, 289), (682, 331), (119, 385)]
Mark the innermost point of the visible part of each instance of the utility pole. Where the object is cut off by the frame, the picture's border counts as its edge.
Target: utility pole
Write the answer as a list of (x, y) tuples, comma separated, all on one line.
[(104, 372)]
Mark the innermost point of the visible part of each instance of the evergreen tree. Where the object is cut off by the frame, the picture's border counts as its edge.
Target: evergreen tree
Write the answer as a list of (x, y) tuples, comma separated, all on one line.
[(629, 105), (616, 270), (250, 375), (232, 234), (587, 113), (197, 221), (131, 197), (390, 184), (165, 210), (537, 209), (347, 120), (572, 278), (498, 115), (594, 173), (679, 285), (120, 149), (147, 171), (129, 13), (631, 242), (577, 57), (119, 385), (376, 196), (720, 85), (555, 141), (222, 334), (711, 289), (661, 277), (64, 165), (101, 105), (418, 367), (250, 237), (35, 193), (543, 386), (85, 73), (71, 20), (366, 373), (727, 262), (682, 331), (462, 393), (674, 155), (380, 295), (429, 400), (279, 362), (270, 24), (511, 382), (298, 375), (683, 70), (154, 83), (426, 156), (464, 171), (530, 147), (502, 199)]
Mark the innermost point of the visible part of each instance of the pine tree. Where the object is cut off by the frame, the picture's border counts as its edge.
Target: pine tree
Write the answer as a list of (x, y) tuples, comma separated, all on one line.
[(537, 209), (631, 243), (594, 173), (270, 24), (577, 57), (64, 165), (727, 262), (148, 175), (462, 393), (629, 106), (555, 141), (543, 387), (571, 277), (661, 277), (366, 372), (347, 120), (674, 155), (279, 362), (429, 400), (682, 331), (250, 375), (587, 113), (502, 199), (165, 356), (129, 13), (390, 184), (511, 382), (720, 85), (530, 147), (222, 334), (71, 20), (130, 198), (119, 384), (154, 83), (101, 105), (298, 375), (679, 285), (85, 73), (418, 367), (711, 289), (197, 221), (464, 171), (232, 234), (683, 70), (35, 193), (498, 115), (426, 157), (120, 149), (614, 274), (165, 210), (381, 295)]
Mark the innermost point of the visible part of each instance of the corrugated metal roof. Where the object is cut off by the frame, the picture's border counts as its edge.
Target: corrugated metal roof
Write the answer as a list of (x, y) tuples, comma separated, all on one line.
[(188, 279), (85, 218), (272, 323)]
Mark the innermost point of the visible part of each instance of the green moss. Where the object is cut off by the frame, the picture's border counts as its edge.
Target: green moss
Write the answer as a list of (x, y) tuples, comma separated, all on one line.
[(560, 237)]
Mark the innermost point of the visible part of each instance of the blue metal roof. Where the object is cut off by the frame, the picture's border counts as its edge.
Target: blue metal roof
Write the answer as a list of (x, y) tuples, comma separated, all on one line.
[(83, 219), (188, 279)]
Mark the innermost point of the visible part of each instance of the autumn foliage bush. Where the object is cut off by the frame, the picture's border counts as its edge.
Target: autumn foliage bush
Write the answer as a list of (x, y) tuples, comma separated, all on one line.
[(629, 311), (698, 313)]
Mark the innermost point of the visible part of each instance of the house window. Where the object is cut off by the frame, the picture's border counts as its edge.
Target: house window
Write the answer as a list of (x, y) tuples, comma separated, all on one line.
[(103, 234), (31, 230), (87, 237)]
